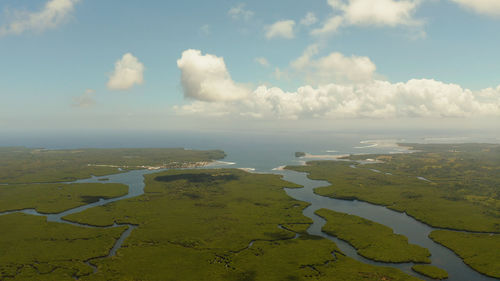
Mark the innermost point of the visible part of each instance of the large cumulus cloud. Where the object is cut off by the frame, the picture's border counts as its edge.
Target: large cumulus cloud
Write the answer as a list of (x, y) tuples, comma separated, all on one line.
[(205, 77), (367, 99)]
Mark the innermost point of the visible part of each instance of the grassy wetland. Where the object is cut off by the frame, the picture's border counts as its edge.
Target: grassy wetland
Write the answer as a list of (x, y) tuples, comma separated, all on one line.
[(430, 271), (227, 224), (34, 249), (56, 198), (221, 225), (426, 201), (446, 186), (26, 165), (480, 251), (372, 240)]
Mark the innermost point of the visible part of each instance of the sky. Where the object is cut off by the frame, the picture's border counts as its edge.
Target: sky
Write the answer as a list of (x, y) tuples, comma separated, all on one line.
[(263, 65)]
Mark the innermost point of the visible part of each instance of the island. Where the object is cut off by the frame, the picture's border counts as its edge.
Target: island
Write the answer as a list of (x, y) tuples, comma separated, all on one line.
[(300, 154), (430, 271), (372, 240)]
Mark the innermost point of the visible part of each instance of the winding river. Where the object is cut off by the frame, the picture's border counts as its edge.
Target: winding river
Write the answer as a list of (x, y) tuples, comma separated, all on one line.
[(401, 223), (133, 179)]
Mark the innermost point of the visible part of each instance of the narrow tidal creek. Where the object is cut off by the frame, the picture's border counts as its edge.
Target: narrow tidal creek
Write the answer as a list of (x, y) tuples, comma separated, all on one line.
[(133, 179)]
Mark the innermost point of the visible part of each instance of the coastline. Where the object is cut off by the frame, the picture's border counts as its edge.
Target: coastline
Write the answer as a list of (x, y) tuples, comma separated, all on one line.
[(172, 165)]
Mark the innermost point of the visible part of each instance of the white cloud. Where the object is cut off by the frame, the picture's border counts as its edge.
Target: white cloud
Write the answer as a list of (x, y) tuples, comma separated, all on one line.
[(370, 13), (376, 99), (54, 13), (262, 61), (281, 74), (306, 57), (205, 29), (330, 26), (283, 29), (334, 67), (239, 12), (380, 12), (205, 77), (85, 100), (370, 99), (485, 7), (309, 19), (128, 72)]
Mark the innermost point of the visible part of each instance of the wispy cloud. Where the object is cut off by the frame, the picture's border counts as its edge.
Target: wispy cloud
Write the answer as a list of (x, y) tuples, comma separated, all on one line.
[(389, 13), (240, 12), (484, 7), (281, 29), (85, 100), (309, 19), (334, 67), (53, 14), (262, 61), (205, 29)]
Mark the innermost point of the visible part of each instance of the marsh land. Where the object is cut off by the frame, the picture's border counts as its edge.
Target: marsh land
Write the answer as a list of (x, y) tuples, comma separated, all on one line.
[(26, 165), (228, 224), (430, 271), (453, 187), (372, 240), (221, 225)]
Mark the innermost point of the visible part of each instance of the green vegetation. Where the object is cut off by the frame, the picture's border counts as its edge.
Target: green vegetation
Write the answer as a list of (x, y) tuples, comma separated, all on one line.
[(306, 258), (372, 240), (300, 154), (480, 251), (430, 271), (464, 172), (34, 249), (458, 189), (24, 165), (56, 198), (462, 193), (221, 225)]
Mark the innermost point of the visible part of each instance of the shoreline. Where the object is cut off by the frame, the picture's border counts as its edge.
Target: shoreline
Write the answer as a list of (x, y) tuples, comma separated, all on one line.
[(172, 165)]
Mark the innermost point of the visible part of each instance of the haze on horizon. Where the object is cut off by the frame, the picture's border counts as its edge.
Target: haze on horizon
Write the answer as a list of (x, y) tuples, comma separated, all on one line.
[(293, 65)]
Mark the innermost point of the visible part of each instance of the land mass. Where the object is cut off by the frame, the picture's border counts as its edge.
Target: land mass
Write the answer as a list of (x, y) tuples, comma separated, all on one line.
[(26, 165), (372, 240), (34, 249), (227, 224), (56, 198), (221, 224), (452, 187), (480, 251), (300, 154), (430, 271)]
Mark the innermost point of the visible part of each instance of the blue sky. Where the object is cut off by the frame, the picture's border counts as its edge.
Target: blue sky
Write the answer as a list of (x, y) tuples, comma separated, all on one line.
[(56, 69)]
